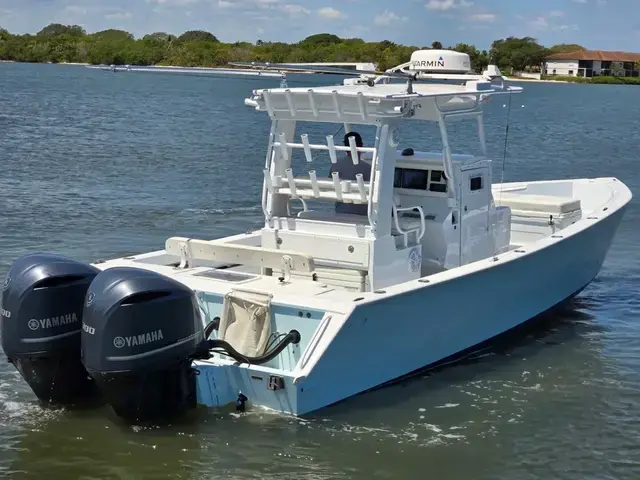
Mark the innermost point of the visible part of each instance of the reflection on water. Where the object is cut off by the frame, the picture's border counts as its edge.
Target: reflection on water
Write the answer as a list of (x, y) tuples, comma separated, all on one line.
[(458, 410)]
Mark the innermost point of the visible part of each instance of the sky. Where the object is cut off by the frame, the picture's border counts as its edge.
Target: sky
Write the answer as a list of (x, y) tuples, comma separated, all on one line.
[(595, 24)]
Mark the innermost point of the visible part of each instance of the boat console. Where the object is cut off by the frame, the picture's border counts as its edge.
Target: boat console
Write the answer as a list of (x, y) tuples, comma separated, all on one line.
[(425, 211)]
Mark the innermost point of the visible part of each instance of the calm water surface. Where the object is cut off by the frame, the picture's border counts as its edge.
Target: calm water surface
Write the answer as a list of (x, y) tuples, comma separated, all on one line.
[(96, 165)]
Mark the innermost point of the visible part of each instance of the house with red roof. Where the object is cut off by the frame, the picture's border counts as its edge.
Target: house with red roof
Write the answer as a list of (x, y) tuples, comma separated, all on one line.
[(593, 63)]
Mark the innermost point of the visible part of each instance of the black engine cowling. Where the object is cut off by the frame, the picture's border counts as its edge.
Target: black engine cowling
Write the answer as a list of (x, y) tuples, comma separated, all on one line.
[(141, 332), (42, 303)]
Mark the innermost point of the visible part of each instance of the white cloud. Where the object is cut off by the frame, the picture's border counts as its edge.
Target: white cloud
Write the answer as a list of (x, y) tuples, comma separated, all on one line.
[(483, 17), (602, 3), (172, 3), (387, 19), (6, 15), (251, 5), (119, 16), (580, 1), (539, 22), (330, 13), (293, 9), (76, 9), (352, 30), (444, 5), (547, 22)]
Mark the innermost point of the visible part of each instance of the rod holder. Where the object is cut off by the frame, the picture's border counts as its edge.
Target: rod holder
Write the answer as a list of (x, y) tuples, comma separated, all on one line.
[(267, 102), (336, 185), (292, 183), (362, 106), (361, 187), (282, 138), (289, 97), (354, 150), (306, 146), (314, 184), (336, 103), (332, 149), (312, 104)]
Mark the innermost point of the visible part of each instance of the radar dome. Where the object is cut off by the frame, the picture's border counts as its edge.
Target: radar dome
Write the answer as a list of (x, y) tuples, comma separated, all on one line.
[(440, 61)]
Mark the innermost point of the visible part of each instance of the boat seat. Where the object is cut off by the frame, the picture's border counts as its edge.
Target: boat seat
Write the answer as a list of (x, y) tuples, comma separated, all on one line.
[(537, 203), (408, 223), (349, 279)]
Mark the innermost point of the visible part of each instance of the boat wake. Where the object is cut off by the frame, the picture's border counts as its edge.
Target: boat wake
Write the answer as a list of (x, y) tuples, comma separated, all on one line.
[(18, 407), (220, 211)]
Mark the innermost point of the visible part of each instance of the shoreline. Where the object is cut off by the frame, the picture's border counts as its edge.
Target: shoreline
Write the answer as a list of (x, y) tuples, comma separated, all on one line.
[(48, 63), (533, 80), (274, 73)]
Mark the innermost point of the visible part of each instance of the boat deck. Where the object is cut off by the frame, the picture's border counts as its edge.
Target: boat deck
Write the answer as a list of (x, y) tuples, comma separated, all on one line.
[(220, 280), (528, 227)]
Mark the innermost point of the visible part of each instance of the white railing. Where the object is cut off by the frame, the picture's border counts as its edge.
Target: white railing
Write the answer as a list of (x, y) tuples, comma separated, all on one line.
[(327, 104), (405, 232), (312, 188), (333, 188), (331, 147)]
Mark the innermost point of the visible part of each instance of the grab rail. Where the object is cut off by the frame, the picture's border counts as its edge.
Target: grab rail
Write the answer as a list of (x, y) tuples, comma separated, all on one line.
[(331, 147), (336, 189), (423, 225)]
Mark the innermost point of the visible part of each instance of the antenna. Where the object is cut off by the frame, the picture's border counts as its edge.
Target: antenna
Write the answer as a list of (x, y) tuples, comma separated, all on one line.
[(409, 77), (504, 160)]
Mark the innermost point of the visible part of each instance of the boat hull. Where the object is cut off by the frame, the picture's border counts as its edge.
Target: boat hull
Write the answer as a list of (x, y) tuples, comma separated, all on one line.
[(353, 342), (422, 329), (503, 338)]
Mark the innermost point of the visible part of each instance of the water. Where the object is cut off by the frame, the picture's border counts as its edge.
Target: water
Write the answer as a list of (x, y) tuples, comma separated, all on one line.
[(96, 165)]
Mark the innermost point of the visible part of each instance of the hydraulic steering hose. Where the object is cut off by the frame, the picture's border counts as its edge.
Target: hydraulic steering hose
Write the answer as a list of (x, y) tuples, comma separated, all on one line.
[(203, 353)]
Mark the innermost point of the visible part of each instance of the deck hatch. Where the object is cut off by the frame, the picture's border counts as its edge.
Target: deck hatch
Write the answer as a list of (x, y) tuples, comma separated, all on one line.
[(225, 275)]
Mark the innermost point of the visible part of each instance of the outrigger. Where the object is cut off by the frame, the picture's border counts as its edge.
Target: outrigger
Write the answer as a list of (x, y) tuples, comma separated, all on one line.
[(319, 305)]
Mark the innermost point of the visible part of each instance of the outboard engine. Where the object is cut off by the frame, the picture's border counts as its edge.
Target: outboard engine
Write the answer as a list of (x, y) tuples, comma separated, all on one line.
[(141, 332), (42, 301)]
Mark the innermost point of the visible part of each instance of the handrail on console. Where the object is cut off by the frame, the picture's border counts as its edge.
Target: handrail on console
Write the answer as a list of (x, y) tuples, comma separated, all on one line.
[(400, 230)]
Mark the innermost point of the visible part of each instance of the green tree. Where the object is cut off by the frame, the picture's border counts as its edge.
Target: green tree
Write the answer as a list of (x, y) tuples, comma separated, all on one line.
[(479, 60), (159, 37), (320, 39), (616, 69), (515, 53), (54, 29), (113, 35), (70, 43), (565, 48), (197, 36)]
